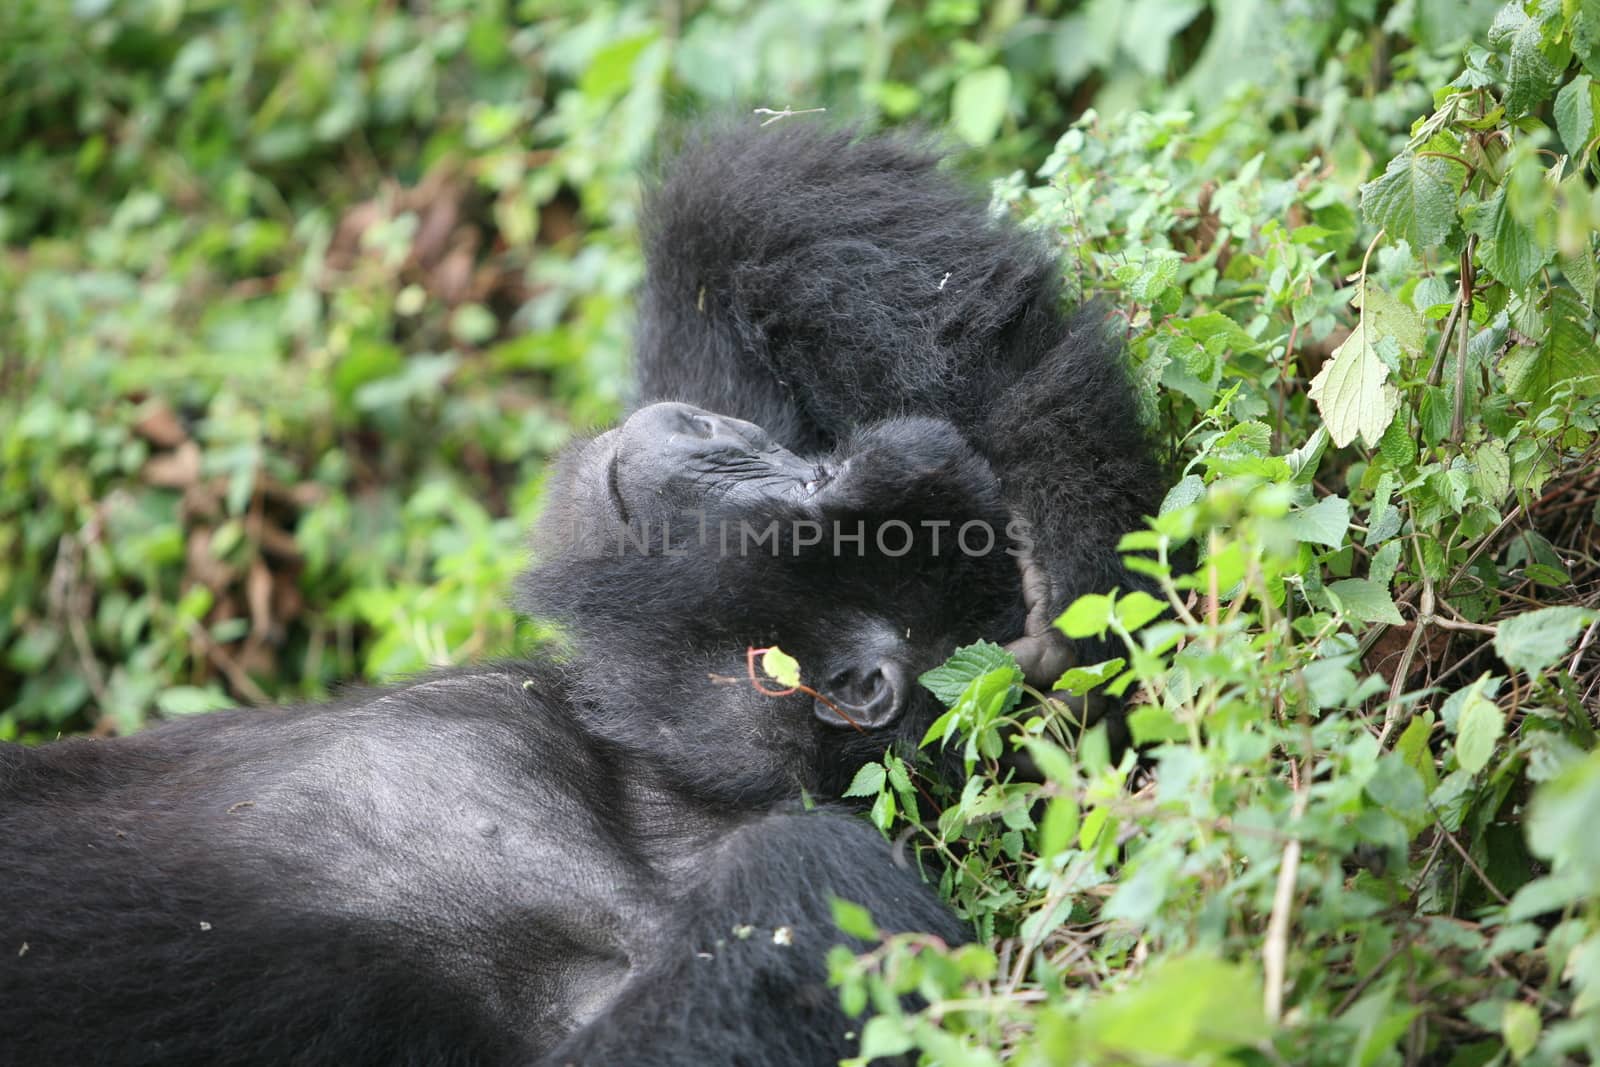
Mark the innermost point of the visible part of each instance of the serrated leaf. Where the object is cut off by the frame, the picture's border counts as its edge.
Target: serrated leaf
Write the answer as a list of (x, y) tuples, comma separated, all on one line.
[(1575, 115), (1415, 198), (1534, 640), (1352, 390), (868, 781), (1323, 523), (1567, 355), (1491, 471), (1365, 600), (1479, 727), (1391, 318), (1529, 75), (1507, 249), (978, 104), (781, 667), (950, 680)]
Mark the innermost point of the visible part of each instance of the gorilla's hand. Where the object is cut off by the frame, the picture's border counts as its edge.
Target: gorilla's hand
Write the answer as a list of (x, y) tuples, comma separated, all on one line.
[(1042, 651)]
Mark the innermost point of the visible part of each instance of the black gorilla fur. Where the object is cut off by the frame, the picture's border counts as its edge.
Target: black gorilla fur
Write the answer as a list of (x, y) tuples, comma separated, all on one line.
[(548, 862)]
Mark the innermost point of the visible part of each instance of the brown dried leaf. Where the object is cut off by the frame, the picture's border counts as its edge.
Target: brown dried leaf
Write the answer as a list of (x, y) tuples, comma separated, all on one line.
[(177, 469), (159, 425)]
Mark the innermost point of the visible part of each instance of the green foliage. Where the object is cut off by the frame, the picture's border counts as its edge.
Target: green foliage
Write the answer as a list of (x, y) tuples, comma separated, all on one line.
[(297, 299), (1357, 828)]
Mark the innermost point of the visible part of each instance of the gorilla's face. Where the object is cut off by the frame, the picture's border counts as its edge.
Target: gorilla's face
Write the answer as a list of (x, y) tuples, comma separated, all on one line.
[(678, 542)]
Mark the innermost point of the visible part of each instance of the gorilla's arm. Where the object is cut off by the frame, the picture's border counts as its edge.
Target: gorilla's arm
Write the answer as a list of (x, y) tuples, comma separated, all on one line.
[(741, 978), (810, 280)]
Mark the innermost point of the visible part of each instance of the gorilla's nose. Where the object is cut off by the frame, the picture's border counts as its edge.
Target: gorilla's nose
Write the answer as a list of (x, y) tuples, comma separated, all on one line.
[(678, 427)]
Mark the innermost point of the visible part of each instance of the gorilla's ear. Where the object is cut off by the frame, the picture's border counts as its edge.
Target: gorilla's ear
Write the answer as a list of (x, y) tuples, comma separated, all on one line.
[(869, 692)]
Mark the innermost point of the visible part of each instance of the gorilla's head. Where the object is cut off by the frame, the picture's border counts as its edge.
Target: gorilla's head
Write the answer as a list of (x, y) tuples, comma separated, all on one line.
[(678, 542)]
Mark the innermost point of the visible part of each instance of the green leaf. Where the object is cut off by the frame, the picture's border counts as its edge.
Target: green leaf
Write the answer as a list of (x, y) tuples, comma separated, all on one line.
[(978, 104), (868, 781), (1561, 819), (1508, 249), (1185, 1010), (1087, 616), (1137, 608), (1079, 680), (1415, 198), (1536, 639), (610, 69), (1519, 1025), (192, 700), (1352, 390), (1575, 115), (1479, 727), (884, 1035), (949, 681), (1567, 355), (1365, 600), (1529, 75), (1323, 523), (1491, 472), (780, 667), (854, 920), (1059, 825)]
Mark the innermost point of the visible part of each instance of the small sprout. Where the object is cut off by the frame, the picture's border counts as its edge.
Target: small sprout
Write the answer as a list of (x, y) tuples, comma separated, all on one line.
[(743, 931)]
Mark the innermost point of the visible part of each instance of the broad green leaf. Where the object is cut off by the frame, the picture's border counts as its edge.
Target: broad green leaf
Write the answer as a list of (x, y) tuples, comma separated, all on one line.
[(1534, 640), (1323, 523), (780, 667), (1391, 318), (950, 680), (1088, 616), (978, 104), (1479, 727), (1575, 114), (1137, 608), (1568, 355), (192, 700), (1352, 391), (1491, 471), (1079, 680), (1365, 600), (884, 1035), (854, 920), (1529, 75), (1520, 1025), (868, 781), (610, 70), (1508, 249), (1415, 198), (1184, 1010), (1561, 819), (1059, 825)]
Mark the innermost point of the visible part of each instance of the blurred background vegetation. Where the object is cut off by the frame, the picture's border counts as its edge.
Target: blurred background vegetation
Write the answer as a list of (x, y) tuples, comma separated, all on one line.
[(298, 298)]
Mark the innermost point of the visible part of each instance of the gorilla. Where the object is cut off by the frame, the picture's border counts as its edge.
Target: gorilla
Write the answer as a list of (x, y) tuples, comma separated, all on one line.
[(849, 373)]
